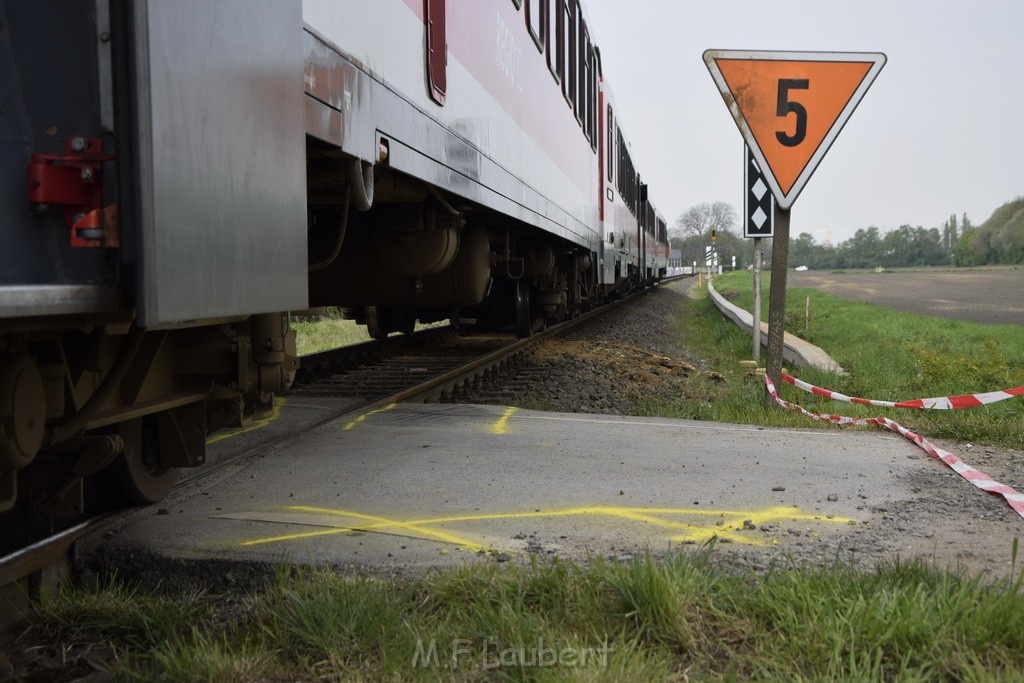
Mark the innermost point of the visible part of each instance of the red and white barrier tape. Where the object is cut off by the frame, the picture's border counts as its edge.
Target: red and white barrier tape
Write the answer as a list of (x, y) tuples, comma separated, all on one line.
[(937, 403), (979, 479)]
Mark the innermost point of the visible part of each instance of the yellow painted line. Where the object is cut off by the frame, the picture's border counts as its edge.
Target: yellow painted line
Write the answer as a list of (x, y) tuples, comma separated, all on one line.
[(730, 528), (258, 424), (691, 425), (301, 535), (501, 426), (383, 522), (362, 417), (377, 523)]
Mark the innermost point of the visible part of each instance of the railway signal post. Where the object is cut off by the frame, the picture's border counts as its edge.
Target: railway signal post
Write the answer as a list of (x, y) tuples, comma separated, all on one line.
[(758, 209), (789, 107)]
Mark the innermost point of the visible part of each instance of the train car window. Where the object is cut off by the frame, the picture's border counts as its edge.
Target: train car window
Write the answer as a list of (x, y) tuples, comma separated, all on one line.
[(569, 52), (595, 90), (611, 145), (592, 123), (555, 39), (583, 75), (437, 51), (619, 175), (536, 21), (627, 178)]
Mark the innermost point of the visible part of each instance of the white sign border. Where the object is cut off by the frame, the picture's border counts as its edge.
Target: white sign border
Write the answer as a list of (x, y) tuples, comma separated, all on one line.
[(785, 201)]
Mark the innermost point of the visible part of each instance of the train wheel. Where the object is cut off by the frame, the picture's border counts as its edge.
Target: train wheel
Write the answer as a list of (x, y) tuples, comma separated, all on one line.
[(524, 317), (136, 476), (375, 323)]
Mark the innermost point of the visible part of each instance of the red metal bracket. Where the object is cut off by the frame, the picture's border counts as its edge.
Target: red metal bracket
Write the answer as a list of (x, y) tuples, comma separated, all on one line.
[(72, 180)]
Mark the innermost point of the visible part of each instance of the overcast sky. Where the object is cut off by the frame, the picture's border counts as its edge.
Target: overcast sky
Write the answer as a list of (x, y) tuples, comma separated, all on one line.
[(941, 131)]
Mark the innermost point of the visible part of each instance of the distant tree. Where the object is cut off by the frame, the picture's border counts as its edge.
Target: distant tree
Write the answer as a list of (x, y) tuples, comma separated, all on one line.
[(863, 250), (965, 226), (971, 249), (961, 253), (728, 244), (802, 250), (699, 220), (690, 249), (1007, 228), (907, 246), (950, 234), (825, 258), (1000, 239)]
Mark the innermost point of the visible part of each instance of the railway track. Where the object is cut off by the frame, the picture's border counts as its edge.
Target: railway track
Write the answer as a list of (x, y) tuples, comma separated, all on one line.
[(427, 366), (430, 365)]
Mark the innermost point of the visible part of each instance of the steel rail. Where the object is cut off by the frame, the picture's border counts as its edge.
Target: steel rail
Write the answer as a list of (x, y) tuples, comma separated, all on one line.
[(433, 386), (47, 552)]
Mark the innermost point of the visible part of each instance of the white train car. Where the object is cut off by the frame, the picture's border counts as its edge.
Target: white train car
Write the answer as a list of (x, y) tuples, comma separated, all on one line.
[(483, 126)]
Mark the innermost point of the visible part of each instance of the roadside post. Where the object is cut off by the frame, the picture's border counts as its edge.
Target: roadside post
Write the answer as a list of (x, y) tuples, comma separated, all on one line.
[(789, 108), (758, 209)]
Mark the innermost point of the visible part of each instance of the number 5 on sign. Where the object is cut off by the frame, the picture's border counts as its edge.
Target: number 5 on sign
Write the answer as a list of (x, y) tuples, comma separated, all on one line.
[(790, 106)]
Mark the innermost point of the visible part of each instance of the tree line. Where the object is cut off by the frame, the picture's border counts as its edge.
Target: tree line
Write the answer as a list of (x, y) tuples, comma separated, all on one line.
[(999, 240)]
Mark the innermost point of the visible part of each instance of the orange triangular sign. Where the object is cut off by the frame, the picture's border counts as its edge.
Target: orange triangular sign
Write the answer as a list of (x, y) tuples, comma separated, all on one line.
[(790, 106)]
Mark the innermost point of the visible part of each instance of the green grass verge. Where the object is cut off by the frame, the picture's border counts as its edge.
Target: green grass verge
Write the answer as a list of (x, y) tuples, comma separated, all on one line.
[(330, 332), (671, 619), (887, 354), (327, 333)]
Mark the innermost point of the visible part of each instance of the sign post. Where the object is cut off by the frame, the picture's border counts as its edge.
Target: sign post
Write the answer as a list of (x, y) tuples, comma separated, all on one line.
[(756, 355), (789, 107), (758, 210), (777, 300)]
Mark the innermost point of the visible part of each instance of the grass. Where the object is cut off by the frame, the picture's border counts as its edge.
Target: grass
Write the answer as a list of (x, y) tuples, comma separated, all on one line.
[(887, 354), (312, 336), (674, 618), (329, 332)]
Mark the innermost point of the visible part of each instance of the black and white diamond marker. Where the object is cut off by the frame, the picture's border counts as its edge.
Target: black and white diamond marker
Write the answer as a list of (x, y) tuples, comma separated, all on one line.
[(757, 200)]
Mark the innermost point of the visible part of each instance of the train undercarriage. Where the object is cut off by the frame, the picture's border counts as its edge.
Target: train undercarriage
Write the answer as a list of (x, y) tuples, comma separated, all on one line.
[(110, 409), (418, 254), (100, 410)]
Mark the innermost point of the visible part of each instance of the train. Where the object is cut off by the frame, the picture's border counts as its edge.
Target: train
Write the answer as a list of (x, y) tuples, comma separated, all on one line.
[(177, 177)]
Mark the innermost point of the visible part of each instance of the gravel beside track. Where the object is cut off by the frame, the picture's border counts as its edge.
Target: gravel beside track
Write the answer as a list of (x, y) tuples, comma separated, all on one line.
[(607, 366)]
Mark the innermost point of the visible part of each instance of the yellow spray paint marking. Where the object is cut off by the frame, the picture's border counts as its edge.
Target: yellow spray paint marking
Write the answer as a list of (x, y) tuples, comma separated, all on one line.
[(362, 417), (729, 525), (374, 523), (501, 426), (258, 424)]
